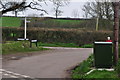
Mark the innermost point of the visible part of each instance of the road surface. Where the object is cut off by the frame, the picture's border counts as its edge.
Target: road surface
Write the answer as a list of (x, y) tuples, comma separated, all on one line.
[(51, 64)]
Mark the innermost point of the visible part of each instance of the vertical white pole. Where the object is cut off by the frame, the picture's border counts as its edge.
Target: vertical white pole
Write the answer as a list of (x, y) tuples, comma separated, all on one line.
[(25, 29)]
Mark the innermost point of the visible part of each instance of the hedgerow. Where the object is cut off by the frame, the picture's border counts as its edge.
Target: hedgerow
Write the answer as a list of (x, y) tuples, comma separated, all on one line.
[(47, 35)]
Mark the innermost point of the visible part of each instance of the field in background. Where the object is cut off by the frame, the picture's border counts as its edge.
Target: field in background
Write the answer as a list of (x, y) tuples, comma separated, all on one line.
[(10, 22), (69, 23)]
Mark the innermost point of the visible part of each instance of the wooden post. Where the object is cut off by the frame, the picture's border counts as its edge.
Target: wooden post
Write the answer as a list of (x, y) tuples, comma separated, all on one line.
[(97, 23), (116, 32)]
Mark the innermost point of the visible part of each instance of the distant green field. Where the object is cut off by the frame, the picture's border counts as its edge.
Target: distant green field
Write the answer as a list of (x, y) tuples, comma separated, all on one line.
[(56, 23), (61, 23), (69, 21), (16, 22), (10, 22)]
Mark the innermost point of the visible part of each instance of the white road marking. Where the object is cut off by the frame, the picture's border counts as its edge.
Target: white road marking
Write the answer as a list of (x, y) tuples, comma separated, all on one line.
[(6, 74), (13, 74)]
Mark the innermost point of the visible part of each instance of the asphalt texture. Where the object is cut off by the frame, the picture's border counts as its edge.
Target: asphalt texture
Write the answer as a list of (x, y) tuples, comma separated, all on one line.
[(50, 64)]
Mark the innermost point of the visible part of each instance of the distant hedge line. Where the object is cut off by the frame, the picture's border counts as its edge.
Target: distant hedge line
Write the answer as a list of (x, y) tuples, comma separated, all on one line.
[(77, 36)]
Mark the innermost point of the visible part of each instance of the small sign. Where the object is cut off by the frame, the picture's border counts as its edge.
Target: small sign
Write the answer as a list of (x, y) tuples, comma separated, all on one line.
[(33, 40), (28, 21), (22, 39)]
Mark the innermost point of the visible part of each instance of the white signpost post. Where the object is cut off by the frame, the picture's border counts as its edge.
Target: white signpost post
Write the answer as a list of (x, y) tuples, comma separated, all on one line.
[(25, 28)]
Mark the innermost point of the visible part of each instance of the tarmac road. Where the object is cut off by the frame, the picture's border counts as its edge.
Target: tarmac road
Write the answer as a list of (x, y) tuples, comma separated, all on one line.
[(51, 64)]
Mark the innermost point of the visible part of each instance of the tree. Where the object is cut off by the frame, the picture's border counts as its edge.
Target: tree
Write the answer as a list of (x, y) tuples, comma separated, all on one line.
[(7, 6), (57, 5), (99, 9), (75, 13)]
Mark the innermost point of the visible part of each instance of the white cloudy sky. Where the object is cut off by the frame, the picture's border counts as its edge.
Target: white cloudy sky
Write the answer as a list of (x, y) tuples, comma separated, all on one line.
[(67, 10)]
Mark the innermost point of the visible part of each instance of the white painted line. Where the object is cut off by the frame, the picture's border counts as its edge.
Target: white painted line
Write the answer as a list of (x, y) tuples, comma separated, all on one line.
[(90, 71), (16, 74), (106, 69), (0, 72), (100, 69), (6, 74)]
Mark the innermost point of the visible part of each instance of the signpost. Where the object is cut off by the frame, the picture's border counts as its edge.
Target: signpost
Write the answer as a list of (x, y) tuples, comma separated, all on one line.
[(25, 32), (25, 28)]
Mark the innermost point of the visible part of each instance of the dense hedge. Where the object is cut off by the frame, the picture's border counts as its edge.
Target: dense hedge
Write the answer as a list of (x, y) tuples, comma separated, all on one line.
[(57, 35)]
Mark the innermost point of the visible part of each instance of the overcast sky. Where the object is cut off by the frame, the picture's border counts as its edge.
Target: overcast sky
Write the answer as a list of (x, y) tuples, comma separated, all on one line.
[(67, 10)]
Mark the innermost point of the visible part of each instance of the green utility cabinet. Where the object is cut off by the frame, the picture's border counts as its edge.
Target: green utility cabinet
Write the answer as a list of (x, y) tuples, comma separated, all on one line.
[(103, 54)]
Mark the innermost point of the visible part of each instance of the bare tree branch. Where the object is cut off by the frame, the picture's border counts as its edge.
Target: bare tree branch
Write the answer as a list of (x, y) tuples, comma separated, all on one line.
[(57, 4), (99, 9), (14, 6)]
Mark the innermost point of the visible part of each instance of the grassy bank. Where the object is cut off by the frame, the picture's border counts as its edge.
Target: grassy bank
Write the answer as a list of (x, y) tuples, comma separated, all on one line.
[(11, 47), (80, 71)]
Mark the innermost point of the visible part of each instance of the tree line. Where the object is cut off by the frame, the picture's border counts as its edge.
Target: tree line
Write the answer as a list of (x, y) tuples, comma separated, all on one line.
[(101, 10)]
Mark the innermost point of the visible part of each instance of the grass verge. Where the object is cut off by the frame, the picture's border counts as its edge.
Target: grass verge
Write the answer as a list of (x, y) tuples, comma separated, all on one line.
[(24, 46), (11, 47), (65, 45), (80, 72)]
